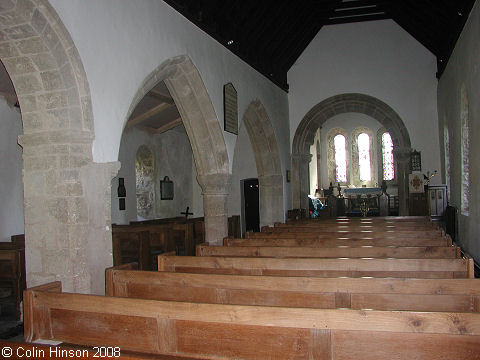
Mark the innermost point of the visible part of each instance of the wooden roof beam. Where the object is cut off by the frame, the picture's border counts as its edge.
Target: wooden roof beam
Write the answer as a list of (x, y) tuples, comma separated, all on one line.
[(147, 114), (165, 98), (166, 127)]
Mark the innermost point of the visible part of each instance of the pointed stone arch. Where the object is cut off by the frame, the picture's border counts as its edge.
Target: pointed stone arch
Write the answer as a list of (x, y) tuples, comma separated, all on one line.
[(185, 84), (339, 104), (267, 158), (66, 234)]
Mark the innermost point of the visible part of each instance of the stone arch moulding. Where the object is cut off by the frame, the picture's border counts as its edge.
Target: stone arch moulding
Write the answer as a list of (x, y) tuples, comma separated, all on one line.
[(339, 104), (66, 233), (267, 158), (203, 129)]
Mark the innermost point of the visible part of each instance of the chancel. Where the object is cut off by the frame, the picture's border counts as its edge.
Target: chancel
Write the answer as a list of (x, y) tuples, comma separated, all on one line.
[(365, 201), (116, 116)]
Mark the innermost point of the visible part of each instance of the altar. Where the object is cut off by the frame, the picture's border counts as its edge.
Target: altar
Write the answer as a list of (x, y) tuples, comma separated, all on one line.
[(363, 201)]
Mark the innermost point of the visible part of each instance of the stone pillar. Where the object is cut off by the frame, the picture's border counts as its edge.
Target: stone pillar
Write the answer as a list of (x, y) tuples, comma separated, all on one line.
[(60, 243), (300, 177), (402, 158), (215, 192), (96, 181), (271, 199)]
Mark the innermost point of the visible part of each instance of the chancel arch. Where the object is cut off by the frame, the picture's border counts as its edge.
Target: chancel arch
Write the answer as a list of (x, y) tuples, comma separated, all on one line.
[(188, 91), (267, 159), (66, 236), (340, 104)]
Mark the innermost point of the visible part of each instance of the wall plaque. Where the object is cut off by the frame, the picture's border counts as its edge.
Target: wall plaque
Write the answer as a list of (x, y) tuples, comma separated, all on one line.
[(230, 109), (166, 189)]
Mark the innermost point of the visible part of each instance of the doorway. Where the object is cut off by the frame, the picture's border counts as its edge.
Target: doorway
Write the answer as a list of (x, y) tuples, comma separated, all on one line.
[(251, 207)]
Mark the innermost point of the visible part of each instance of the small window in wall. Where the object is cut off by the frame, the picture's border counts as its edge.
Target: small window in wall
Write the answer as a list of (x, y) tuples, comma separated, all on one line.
[(465, 151), (364, 157), (387, 157), (340, 158)]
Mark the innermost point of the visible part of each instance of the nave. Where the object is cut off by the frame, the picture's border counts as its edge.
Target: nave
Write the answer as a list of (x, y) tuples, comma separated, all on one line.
[(267, 303)]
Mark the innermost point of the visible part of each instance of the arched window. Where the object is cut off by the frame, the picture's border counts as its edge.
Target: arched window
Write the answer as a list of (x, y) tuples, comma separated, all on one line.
[(446, 146), (338, 156), (362, 157), (465, 151), (340, 145), (364, 167), (387, 157)]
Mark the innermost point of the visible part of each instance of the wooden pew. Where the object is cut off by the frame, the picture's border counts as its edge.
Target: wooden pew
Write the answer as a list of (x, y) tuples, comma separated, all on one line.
[(247, 332), (362, 222), (376, 219), (193, 230), (335, 241), (357, 232), (454, 295), (143, 243), (400, 252), (397, 268), (196, 227), (166, 235), (12, 271), (429, 240)]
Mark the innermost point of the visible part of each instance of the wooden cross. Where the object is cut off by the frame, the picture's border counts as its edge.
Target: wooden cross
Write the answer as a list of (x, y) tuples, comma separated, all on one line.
[(186, 213)]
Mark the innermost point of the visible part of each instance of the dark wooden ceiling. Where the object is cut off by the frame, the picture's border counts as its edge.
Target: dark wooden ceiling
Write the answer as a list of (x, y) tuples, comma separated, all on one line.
[(270, 35)]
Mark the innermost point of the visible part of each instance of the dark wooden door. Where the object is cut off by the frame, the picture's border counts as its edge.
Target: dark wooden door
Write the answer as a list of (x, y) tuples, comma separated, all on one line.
[(252, 212)]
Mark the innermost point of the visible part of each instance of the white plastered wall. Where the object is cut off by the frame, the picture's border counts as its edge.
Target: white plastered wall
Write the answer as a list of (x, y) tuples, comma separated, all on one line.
[(463, 68), (244, 167), (172, 157), (11, 189), (378, 59), (121, 41)]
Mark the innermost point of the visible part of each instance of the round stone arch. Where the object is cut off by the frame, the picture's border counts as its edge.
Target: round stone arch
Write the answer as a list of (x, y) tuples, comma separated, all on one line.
[(203, 129), (267, 158), (339, 104), (66, 237)]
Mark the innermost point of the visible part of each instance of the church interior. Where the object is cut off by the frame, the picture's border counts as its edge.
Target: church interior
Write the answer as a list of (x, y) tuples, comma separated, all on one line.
[(241, 179)]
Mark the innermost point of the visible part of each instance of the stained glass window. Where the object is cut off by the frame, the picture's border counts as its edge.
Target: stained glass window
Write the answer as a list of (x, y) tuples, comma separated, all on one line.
[(364, 157), (465, 151), (446, 144), (340, 158), (387, 154)]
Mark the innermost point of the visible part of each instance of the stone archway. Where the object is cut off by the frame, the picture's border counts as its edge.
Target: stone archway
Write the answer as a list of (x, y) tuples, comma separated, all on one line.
[(339, 104), (67, 237), (203, 129), (267, 158)]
